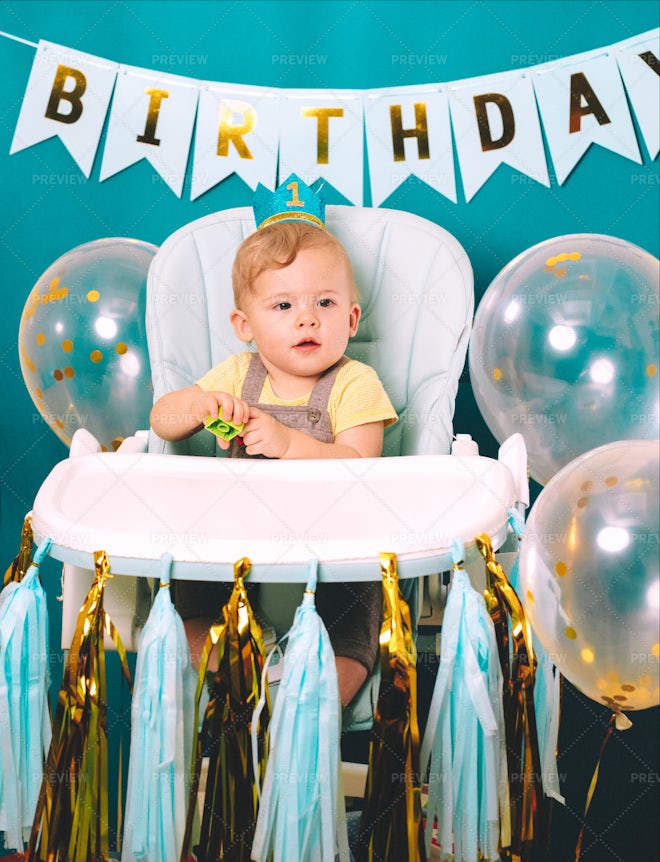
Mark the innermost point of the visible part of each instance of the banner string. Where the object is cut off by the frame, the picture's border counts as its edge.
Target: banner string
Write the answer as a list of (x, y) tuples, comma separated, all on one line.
[(18, 39)]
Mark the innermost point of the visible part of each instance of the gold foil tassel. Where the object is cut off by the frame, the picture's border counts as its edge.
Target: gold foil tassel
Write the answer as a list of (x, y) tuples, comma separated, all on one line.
[(21, 562), (230, 803), (518, 670), (391, 824), (71, 819)]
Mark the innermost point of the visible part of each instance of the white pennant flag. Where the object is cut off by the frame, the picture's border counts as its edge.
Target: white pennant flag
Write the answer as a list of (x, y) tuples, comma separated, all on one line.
[(496, 122), (582, 101), (639, 64), (151, 118), (237, 131), (322, 136), (408, 134), (67, 96)]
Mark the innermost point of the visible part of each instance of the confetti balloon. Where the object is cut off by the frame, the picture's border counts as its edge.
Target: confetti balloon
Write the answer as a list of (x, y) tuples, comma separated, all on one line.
[(82, 341), (590, 573), (565, 349)]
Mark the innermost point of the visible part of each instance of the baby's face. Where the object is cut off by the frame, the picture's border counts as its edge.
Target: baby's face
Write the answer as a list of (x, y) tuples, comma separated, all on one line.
[(301, 316)]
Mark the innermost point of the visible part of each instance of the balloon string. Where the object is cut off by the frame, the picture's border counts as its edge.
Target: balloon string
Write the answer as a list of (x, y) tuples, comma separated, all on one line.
[(592, 786)]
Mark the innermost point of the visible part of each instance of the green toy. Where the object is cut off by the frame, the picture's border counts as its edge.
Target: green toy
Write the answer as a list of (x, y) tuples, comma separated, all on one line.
[(222, 428)]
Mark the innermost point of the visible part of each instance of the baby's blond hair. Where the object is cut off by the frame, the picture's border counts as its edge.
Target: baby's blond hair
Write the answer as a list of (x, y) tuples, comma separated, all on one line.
[(277, 246)]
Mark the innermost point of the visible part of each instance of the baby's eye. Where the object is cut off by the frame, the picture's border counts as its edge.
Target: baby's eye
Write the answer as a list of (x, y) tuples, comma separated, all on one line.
[(283, 306), (325, 303)]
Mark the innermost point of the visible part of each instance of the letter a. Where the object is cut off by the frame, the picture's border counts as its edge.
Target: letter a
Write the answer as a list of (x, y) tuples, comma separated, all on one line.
[(581, 89)]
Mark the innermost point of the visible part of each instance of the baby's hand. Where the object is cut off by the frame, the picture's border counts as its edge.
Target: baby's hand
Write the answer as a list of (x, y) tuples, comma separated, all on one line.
[(264, 435), (206, 404)]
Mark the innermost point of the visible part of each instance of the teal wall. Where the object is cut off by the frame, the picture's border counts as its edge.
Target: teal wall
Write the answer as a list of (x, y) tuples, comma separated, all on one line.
[(50, 208)]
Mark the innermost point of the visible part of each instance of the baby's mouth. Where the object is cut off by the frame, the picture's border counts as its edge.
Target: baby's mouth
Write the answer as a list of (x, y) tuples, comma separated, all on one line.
[(307, 344)]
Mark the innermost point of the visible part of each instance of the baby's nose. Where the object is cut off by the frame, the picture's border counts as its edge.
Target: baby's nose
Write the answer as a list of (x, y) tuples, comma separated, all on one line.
[(307, 316)]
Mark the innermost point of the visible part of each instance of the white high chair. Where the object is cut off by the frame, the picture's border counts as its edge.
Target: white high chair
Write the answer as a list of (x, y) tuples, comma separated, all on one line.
[(415, 284)]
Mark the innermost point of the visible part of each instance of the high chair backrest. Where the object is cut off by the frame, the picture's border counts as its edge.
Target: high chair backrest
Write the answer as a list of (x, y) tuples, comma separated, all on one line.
[(416, 292)]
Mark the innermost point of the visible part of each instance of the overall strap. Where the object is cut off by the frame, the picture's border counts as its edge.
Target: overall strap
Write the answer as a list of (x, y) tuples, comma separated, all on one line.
[(254, 380), (319, 397)]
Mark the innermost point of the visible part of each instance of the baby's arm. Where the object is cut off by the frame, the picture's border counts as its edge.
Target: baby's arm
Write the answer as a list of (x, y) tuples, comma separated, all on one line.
[(264, 435), (181, 413)]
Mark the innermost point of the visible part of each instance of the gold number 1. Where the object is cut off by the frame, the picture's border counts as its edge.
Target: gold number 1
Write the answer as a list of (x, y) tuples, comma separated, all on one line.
[(295, 200)]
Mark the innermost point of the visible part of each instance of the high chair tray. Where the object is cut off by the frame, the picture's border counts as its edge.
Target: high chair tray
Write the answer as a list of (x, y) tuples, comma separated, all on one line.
[(209, 512)]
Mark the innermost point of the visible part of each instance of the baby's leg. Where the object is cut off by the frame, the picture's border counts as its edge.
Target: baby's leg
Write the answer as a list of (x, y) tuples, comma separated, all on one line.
[(351, 675), (352, 615), (197, 628), (199, 604)]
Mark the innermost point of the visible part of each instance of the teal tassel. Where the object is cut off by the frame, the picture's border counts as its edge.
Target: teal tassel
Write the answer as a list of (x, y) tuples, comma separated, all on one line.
[(547, 697), (161, 735), (546, 693), (301, 813), (24, 709), (464, 738)]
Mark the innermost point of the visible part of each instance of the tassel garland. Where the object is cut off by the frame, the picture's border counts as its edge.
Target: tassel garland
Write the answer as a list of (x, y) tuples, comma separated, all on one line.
[(391, 824), (464, 739), (21, 561), (24, 707), (161, 735), (71, 819), (230, 801), (301, 813), (518, 668)]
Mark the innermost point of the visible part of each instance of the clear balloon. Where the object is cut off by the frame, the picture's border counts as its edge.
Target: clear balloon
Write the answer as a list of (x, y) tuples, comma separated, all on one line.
[(564, 349), (82, 341), (590, 573)]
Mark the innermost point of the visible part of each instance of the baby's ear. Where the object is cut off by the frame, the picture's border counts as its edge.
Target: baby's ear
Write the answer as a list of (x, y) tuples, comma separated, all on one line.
[(241, 326), (354, 319)]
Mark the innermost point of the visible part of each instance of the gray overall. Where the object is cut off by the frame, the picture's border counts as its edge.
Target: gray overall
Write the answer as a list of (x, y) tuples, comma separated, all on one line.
[(351, 611), (312, 418)]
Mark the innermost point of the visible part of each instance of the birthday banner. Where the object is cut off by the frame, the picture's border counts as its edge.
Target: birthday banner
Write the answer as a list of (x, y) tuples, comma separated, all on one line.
[(320, 134)]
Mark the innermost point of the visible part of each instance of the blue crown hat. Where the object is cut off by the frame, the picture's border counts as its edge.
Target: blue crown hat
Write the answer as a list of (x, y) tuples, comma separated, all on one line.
[(292, 201)]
